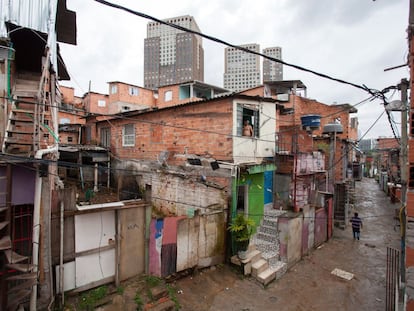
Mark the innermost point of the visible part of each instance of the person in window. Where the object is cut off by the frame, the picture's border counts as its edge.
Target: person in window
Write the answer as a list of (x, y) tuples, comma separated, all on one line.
[(247, 128)]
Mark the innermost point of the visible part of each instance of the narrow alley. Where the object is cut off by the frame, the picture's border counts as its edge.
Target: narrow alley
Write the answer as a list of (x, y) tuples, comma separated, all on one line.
[(309, 285)]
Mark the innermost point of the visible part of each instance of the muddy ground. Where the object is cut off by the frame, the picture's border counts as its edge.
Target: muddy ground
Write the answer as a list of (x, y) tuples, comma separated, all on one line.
[(309, 285)]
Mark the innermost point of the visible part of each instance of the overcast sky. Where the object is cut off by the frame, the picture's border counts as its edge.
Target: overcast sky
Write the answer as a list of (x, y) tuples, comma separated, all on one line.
[(354, 40)]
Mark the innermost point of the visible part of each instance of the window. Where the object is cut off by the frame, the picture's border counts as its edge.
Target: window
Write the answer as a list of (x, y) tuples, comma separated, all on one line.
[(106, 137), (128, 135), (249, 115), (114, 89), (133, 91), (101, 103), (70, 139), (168, 96), (64, 121)]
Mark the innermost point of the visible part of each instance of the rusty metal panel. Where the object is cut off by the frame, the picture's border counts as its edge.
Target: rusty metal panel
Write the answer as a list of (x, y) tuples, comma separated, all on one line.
[(132, 242), (320, 226)]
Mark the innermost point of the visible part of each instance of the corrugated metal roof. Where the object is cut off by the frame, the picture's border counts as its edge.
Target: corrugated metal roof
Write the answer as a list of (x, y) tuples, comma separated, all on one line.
[(33, 14)]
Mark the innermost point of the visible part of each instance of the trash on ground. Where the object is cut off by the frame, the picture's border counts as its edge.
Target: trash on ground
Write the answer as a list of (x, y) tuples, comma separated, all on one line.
[(342, 274)]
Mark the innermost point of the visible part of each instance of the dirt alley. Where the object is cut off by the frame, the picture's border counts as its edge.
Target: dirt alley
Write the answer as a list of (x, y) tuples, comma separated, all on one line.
[(309, 285)]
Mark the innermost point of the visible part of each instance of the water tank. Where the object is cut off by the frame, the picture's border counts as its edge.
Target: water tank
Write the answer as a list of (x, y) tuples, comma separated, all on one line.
[(333, 128), (311, 121)]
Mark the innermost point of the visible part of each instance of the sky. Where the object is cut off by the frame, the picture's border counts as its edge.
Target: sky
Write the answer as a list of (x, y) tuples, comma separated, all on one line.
[(352, 40)]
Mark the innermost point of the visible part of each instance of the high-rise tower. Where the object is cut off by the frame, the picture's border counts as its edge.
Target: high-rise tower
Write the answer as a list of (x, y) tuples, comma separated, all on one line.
[(241, 69), (272, 71), (172, 55)]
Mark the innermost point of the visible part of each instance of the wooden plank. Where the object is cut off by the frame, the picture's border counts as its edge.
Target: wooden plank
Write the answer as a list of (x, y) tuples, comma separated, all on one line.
[(5, 243), (22, 267), (13, 257), (95, 250)]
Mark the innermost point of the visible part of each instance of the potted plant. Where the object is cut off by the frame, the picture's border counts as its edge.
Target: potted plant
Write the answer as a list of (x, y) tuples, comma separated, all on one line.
[(241, 228)]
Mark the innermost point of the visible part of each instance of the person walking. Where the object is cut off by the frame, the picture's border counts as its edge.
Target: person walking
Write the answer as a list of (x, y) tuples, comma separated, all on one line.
[(356, 226)]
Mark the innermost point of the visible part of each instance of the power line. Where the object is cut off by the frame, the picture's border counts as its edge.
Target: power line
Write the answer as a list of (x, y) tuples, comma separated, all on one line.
[(214, 39)]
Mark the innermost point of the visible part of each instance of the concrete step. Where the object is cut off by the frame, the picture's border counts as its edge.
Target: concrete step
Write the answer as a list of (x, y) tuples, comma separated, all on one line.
[(267, 237), (270, 222), (268, 229), (246, 264), (259, 266), (265, 246), (266, 276), (280, 268)]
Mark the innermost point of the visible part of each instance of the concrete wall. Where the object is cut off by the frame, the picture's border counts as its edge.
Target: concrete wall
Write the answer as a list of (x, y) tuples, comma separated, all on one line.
[(290, 239)]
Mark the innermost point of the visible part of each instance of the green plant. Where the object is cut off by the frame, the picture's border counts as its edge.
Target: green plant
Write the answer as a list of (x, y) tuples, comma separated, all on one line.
[(152, 281), (120, 290), (138, 300), (90, 298), (241, 228), (173, 296)]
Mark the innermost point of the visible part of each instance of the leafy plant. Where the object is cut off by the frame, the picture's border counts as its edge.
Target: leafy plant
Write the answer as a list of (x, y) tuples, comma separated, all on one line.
[(152, 281), (138, 300), (120, 290), (242, 228), (90, 298)]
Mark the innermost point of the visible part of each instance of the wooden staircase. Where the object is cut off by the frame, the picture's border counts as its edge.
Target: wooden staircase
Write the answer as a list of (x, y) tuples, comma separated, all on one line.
[(17, 278), (262, 260), (29, 113)]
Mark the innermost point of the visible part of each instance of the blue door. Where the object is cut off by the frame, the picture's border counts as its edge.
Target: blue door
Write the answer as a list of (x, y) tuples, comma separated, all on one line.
[(268, 187)]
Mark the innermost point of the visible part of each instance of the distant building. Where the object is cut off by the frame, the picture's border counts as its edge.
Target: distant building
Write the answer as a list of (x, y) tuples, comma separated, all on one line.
[(367, 144), (272, 71), (171, 55), (241, 69)]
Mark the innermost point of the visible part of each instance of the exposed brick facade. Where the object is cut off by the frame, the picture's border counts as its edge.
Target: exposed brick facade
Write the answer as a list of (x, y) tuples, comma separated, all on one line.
[(200, 128)]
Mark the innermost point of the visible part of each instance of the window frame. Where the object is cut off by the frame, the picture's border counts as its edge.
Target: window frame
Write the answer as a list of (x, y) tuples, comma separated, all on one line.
[(128, 139), (251, 113)]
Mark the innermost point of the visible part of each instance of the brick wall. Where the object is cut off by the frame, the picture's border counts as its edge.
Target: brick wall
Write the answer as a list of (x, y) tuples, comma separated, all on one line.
[(199, 128), (144, 98)]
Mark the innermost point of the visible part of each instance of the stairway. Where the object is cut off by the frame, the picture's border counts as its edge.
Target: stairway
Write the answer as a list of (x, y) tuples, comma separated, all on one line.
[(262, 260), (17, 278), (22, 131)]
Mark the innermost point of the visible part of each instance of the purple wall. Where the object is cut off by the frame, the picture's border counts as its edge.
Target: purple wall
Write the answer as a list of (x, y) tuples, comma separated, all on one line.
[(320, 226), (23, 184)]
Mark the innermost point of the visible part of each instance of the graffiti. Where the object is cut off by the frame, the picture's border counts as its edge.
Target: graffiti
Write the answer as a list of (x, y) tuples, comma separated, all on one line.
[(132, 226)]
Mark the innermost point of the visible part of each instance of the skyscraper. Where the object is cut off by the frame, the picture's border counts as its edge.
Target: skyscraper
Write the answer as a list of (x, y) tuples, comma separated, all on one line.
[(272, 71), (241, 69), (172, 55)]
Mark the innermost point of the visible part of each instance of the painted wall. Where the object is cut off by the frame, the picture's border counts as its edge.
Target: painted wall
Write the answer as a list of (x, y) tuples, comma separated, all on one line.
[(320, 226), (255, 184), (180, 243), (248, 149), (23, 184)]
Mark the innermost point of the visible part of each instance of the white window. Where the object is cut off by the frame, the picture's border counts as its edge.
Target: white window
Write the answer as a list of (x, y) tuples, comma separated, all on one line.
[(128, 135), (101, 103), (168, 96), (133, 91), (114, 89), (64, 121)]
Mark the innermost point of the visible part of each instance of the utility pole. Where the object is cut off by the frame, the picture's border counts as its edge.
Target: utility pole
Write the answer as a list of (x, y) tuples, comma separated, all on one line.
[(403, 86)]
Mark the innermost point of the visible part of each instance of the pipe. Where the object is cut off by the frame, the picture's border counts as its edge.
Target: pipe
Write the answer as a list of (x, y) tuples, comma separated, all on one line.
[(95, 186), (61, 269), (36, 222)]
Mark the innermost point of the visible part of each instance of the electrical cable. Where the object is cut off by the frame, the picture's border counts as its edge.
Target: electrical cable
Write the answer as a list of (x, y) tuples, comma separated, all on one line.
[(217, 40)]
